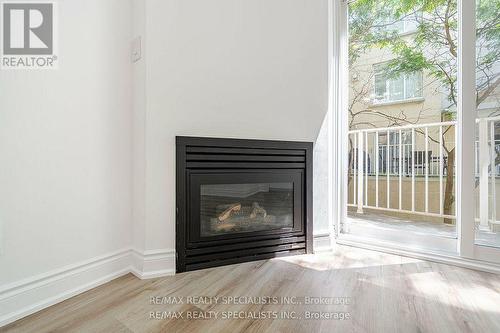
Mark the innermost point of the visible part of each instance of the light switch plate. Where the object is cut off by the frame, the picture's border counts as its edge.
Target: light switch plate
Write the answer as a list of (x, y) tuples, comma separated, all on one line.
[(136, 49)]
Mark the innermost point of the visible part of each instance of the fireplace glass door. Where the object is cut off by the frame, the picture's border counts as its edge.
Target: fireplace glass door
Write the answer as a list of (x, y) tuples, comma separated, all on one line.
[(236, 204), (232, 208)]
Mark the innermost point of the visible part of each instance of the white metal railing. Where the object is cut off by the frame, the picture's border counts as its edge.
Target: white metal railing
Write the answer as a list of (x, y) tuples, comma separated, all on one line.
[(487, 169), (411, 152), (497, 151), (420, 152)]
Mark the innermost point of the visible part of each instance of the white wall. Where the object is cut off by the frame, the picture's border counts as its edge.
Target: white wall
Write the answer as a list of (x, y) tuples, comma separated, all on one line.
[(321, 181), (65, 146), (139, 128), (227, 68)]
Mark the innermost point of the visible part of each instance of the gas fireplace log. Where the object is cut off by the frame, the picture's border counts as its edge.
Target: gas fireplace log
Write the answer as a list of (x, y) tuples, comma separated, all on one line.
[(225, 227), (257, 210), (233, 208)]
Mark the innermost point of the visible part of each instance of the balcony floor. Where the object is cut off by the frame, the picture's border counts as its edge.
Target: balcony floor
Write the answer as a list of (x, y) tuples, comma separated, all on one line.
[(382, 221)]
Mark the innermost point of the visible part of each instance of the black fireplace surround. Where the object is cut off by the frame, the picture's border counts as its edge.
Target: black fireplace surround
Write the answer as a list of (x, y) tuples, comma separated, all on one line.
[(241, 200)]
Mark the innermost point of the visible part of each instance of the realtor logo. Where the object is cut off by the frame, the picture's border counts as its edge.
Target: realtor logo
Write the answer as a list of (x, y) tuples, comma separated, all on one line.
[(28, 35)]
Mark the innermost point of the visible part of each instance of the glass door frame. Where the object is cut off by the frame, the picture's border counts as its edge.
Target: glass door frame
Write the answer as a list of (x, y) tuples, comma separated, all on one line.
[(464, 246)]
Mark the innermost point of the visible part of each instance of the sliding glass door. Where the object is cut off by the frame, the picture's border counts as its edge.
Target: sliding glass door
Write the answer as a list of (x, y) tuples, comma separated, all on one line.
[(487, 168), (402, 121), (408, 85)]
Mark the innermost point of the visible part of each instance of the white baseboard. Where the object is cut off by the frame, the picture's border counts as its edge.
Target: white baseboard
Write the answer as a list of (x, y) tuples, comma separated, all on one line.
[(30, 295), (33, 294), (153, 263), (322, 242)]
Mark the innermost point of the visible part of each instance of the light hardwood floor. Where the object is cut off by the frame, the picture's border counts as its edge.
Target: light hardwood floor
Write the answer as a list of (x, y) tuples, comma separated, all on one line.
[(387, 293)]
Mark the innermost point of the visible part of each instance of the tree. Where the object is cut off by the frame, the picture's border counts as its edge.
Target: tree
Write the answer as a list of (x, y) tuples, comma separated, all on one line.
[(432, 49)]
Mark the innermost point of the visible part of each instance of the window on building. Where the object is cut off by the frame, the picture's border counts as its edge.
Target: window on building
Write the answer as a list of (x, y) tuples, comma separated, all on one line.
[(402, 25), (406, 24), (388, 89)]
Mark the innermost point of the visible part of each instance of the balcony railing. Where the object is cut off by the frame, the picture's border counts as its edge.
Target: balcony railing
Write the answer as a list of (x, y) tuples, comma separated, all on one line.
[(420, 153), (487, 170), (404, 153)]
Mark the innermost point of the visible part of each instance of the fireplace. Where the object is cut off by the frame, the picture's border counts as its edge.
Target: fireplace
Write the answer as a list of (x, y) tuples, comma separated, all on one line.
[(241, 200)]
